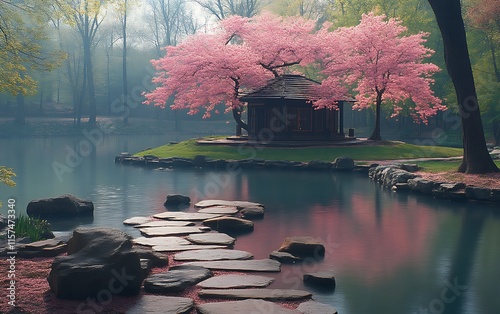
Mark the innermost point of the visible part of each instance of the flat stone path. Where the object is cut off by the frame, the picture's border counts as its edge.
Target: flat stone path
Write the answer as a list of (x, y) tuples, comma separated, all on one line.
[(176, 279), (136, 220), (169, 231), (244, 307), (264, 265), (186, 247), (264, 294), (165, 223), (161, 304), (160, 241), (238, 204), (185, 216), (313, 307), (213, 255), (211, 238), (223, 210), (236, 282)]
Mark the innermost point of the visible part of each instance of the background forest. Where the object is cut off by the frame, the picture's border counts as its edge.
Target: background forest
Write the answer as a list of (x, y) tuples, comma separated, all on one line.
[(83, 59)]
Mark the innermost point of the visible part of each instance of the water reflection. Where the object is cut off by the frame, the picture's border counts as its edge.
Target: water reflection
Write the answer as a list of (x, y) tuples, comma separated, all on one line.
[(391, 252)]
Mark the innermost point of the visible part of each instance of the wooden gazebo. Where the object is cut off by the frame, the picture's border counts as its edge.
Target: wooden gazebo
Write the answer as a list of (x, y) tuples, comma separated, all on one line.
[(283, 108)]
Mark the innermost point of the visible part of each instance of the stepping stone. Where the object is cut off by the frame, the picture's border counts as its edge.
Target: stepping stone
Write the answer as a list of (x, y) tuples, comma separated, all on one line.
[(236, 282), (169, 231), (213, 255), (136, 221), (177, 279), (264, 294), (284, 257), (252, 212), (223, 210), (185, 216), (185, 247), (245, 306), (229, 224), (303, 247), (323, 279), (265, 265), (160, 241), (313, 307), (161, 304), (211, 238), (238, 204), (165, 223)]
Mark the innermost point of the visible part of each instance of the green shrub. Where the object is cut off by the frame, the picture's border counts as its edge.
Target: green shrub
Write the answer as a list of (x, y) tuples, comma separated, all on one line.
[(35, 229)]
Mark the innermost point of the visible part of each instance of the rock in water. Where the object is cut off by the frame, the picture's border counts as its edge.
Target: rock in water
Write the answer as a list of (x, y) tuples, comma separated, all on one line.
[(60, 207), (176, 200), (303, 247), (229, 224), (99, 260)]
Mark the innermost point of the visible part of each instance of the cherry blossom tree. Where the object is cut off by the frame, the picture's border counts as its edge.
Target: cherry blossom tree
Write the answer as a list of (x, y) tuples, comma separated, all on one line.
[(382, 64), (208, 69)]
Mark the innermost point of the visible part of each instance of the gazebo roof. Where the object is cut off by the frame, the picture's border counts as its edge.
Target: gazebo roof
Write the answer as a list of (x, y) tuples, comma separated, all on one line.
[(288, 86)]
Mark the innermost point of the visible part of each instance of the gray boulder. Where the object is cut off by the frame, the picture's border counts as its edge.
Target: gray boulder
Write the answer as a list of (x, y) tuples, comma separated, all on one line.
[(255, 212), (176, 200), (303, 247), (423, 185), (324, 279), (344, 164), (99, 263), (480, 194), (62, 206)]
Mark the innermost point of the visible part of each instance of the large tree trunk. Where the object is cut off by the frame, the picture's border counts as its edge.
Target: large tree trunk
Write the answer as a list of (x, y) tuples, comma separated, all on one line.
[(449, 18), (237, 118), (376, 132)]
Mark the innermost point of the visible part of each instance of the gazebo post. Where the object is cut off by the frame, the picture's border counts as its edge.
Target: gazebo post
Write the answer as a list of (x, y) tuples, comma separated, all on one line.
[(341, 118)]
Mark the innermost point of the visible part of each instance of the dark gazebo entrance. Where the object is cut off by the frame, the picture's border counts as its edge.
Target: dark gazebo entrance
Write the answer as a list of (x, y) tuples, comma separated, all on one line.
[(284, 108)]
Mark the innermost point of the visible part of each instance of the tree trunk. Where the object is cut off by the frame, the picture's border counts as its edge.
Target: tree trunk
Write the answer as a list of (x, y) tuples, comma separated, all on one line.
[(124, 68), (91, 86), (376, 132), (449, 18), (237, 118)]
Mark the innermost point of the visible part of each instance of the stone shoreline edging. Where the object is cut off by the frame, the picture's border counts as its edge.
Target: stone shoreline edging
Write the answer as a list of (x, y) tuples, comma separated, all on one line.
[(395, 178), (200, 161)]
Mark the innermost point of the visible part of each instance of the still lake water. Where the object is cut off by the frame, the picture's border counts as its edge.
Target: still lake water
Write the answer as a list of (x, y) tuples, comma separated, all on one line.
[(391, 253)]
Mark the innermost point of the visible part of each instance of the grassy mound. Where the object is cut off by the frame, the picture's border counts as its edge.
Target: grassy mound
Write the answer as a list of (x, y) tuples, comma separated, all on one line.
[(385, 150)]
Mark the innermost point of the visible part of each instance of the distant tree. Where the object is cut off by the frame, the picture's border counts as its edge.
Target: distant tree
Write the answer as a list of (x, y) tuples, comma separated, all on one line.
[(222, 9), (22, 34), (209, 69), (449, 19), (85, 16), (382, 65), (169, 21)]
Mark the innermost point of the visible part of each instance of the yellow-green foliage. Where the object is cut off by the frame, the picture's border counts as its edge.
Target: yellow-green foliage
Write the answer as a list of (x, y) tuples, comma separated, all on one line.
[(21, 36), (6, 175)]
